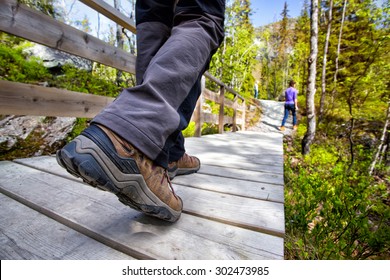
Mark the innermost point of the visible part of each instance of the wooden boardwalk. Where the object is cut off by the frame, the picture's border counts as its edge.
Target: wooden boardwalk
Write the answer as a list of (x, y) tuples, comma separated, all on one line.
[(233, 208)]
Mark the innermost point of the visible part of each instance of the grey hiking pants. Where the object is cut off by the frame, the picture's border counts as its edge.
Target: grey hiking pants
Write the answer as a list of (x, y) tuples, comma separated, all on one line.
[(179, 45)]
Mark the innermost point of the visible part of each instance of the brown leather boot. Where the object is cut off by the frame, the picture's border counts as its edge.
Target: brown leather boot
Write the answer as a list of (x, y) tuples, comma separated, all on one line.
[(185, 165), (104, 160)]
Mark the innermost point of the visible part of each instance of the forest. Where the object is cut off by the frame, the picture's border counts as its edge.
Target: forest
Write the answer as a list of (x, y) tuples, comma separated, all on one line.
[(337, 163)]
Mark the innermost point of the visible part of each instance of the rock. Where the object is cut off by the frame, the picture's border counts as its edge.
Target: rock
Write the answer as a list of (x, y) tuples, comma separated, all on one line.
[(13, 128), (54, 59), (54, 131), (58, 130)]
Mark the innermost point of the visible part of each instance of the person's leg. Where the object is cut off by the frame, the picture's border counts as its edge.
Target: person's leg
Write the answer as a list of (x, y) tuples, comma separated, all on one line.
[(152, 32), (294, 115), (154, 23), (215, 10), (180, 163), (148, 115), (286, 113), (125, 150)]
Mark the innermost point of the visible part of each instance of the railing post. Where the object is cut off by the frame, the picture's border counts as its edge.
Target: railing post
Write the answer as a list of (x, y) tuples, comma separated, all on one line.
[(221, 109), (198, 117), (198, 110), (243, 115), (235, 105)]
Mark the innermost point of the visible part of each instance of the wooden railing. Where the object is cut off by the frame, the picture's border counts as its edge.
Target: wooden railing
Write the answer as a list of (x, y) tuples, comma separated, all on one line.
[(26, 99)]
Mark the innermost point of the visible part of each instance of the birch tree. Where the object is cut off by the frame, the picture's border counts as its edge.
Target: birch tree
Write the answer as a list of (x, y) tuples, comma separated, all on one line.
[(311, 87), (324, 62), (381, 145)]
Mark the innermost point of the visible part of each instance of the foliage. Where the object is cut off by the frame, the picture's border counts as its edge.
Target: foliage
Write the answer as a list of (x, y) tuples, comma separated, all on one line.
[(190, 130), (283, 51), (46, 7), (334, 211), (332, 214), (206, 129), (80, 125), (83, 81), (23, 148), (236, 58), (15, 67)]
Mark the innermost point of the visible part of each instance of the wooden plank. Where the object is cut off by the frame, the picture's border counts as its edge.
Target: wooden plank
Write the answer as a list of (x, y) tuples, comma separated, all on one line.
[(254, 214), (244, 148), (25, 99), (98, 214), (248, 150), (242, 188), (19, 20), (236, 187), (27, 234), (111, 13), (237, 162), (245, 175)]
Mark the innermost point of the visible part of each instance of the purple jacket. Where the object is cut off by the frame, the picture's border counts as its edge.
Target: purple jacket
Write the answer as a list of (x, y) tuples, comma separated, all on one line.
[(291, 94)]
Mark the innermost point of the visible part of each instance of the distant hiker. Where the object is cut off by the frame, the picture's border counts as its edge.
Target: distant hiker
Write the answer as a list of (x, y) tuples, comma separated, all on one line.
[(256, 89), (291, 104)]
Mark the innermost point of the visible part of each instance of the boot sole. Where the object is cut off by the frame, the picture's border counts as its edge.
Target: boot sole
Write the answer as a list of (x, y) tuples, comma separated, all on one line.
[(83, 158), (182, 171)]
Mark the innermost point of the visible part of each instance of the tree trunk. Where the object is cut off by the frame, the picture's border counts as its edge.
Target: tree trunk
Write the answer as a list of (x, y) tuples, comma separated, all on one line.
[(381, 143), (120, 43), (324, 62), (338, 53), (311, 87)]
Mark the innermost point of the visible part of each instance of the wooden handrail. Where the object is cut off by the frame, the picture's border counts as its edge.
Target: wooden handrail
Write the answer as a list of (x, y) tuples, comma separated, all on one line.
[(22, 99), (24, 22), (215, 80), (110, 12), (26, 99)]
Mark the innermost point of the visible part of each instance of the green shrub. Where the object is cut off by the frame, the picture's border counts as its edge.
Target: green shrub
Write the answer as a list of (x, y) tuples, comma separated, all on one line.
[(190, 130), (83, 81), (333, 214), (15, 67)]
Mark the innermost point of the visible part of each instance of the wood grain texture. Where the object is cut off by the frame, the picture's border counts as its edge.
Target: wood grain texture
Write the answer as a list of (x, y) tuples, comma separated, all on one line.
[(27, 234), (25, 99), (99, 215), (233, 209)]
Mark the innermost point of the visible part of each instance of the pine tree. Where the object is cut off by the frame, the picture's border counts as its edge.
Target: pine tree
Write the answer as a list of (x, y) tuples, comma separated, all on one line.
[(236, 58)]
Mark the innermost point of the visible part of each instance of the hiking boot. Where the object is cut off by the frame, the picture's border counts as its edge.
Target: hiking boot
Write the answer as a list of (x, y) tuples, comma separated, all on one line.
[(282, 128), (184, 166), (295, 127), (104, 160)]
